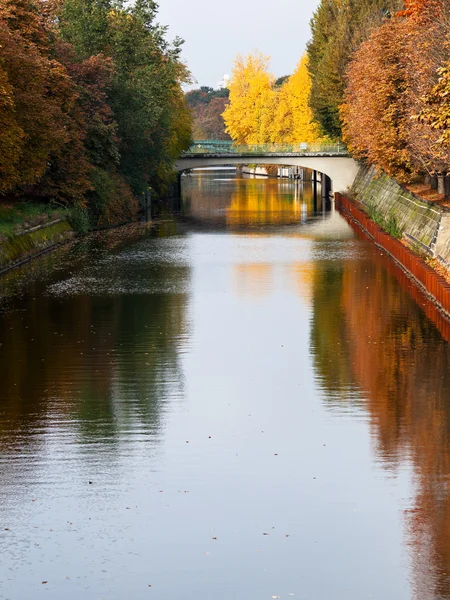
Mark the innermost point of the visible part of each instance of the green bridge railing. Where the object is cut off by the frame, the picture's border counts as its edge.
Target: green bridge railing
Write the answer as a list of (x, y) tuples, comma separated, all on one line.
[(224, 147)]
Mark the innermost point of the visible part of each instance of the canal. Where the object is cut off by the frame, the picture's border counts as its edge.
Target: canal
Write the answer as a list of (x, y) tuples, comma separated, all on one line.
[(247, 402)]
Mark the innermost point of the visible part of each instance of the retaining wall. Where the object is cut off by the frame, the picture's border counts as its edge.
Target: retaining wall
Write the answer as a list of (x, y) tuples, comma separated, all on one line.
[(424, 224), (32, 243), (435, 286)]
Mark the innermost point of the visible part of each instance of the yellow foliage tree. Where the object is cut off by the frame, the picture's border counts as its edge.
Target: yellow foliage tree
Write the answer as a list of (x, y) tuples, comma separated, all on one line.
[(292, 121), (259, 113), (248, 115)]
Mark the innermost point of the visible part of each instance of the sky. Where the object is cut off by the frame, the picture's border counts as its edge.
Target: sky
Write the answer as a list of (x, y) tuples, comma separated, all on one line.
[(215, 32)]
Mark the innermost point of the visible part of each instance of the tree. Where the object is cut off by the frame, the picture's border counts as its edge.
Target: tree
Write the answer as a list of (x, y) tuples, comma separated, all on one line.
[(248, 115), (153, 122), (293, 119), (338, 28), (207, 106), (395, 103), (11, 138), (375, 112), (41, 98)]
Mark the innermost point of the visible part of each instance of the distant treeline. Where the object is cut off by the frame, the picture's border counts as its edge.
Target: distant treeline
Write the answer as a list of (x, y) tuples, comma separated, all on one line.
[(207, 106), (91, 107)]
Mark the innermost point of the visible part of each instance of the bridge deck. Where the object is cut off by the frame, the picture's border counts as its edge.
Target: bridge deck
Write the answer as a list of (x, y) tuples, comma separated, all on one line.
[(234, 155)]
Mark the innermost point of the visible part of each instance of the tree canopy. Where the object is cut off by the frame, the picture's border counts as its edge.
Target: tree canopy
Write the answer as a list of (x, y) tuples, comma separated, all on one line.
[(338, 28), (91, 104), (265, 110)]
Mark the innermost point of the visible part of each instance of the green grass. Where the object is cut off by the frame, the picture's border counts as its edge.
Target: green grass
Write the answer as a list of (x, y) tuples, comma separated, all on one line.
[(15, 218), (388, 224)]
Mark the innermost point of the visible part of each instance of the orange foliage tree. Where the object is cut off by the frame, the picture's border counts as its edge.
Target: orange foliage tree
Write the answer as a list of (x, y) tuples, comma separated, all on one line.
[(374, 113), (40, 105), (395, 107)]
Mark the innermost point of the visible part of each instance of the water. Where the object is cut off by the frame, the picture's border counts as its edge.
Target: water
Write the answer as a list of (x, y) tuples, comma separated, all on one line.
[(249, 403)]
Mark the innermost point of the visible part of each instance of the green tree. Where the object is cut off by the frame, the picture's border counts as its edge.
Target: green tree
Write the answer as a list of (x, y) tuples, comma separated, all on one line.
[(338, 28), (153, 122)]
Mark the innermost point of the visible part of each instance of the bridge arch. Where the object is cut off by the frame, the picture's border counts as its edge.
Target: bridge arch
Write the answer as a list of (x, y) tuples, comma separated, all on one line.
[(341, 169)]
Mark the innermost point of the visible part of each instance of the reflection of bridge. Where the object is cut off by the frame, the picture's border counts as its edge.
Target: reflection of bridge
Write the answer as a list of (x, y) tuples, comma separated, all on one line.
[(333, 161)]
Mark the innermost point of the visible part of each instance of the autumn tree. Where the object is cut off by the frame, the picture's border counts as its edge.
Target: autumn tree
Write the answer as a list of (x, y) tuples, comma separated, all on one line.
[(207, 106), (293, 119), (338, 28), (375, 113), (248, 115), (40, 99), (395, 104)]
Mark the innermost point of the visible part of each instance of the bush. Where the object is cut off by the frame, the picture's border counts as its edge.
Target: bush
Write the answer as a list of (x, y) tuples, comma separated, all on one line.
[(111, 202), (79, 219)]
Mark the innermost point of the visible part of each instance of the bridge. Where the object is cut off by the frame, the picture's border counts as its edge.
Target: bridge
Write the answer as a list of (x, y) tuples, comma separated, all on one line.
[(333, 161)]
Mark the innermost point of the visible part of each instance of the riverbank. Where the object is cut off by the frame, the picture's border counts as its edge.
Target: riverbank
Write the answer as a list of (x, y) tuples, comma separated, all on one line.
[(28, 230), (434, 285)]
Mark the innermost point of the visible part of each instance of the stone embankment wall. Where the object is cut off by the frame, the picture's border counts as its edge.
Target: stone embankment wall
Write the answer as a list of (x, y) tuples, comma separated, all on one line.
[(431, 283), (33, 242), (425, 225)]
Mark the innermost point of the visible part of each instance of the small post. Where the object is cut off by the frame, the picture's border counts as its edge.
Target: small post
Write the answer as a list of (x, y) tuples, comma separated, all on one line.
[(441, 183)]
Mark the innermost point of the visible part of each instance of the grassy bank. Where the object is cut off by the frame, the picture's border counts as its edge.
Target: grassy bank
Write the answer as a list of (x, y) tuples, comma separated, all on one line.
[(18, 218)]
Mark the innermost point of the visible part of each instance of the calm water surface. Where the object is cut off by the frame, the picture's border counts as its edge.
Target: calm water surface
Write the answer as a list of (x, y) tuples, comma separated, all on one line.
[(250, 403)]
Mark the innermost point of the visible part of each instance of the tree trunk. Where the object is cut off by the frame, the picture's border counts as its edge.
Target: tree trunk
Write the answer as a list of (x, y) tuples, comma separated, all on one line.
[(434, 182), (427, 179), (447, 186), (441, 184)]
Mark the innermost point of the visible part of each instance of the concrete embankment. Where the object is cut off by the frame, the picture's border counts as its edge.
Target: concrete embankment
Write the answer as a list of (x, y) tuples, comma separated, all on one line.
[(432, 284), (424, 225), (32, 243)]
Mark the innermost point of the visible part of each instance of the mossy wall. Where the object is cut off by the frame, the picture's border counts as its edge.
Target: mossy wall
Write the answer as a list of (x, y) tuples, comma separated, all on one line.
[(29, 244), (419, 220)]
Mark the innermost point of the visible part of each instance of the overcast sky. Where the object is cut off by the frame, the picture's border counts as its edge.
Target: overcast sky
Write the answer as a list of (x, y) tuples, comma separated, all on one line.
[(215, 32)]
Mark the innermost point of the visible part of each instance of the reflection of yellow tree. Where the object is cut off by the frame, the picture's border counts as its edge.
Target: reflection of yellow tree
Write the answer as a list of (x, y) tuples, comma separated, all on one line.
[(376, 338), (257, 279), (247, 202), (253, 279), (265, 202), (302, 276)]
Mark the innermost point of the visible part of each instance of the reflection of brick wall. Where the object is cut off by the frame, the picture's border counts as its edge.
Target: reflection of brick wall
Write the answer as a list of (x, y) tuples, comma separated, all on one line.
[(434, 285)]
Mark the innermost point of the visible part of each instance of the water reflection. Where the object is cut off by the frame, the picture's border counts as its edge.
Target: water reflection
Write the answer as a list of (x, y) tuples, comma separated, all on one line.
[(102, 365), (255, 408), (225, 200), (374, 348)]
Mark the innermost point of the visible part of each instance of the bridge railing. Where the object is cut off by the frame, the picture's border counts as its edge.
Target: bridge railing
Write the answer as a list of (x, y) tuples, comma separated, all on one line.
[(224, 147)]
